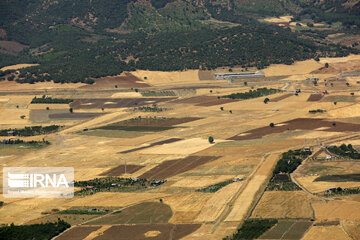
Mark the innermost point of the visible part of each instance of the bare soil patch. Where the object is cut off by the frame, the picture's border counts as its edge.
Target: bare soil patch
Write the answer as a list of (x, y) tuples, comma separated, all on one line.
[(173, 167), (11, 47), (115, 102), (204, 101), (206, 75), (119, 170), (77, 233), (170, 140), (296, 124), (138, 231), (314, 97), (282, 97), (73, 115)]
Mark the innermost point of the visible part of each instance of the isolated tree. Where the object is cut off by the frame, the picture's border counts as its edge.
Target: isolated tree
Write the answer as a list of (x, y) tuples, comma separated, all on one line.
[(102, 109), (145, 78), (326, 65), (116, 86), (334, 124), (352, 94), (266, 100), (210, 91), (222, 108), (331, 84), (272, 125), (245, 83), (218, 97), (335, 103), (47, 108), (317, 59), (70, 110), (17, 106), (211, 139), (348, 84), (230, 70), (230, 111)]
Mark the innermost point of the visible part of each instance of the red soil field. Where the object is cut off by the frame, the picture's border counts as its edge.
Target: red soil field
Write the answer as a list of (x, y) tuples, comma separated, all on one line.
[(77, 233), (315, 97), (114, 102), (119, 170), (299, 123), (170, 140), (137, 232), (282, 97), (73, 115), (204, 101), (173, 167)]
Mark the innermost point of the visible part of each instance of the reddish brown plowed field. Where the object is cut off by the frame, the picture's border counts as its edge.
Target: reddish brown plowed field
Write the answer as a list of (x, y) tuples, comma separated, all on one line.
[(137, 232), (126, 80), (152, 122), (205, 101), (282, 97), (77, 233), (170, 140), (299, 123), (315, 97), (73, 115), (173, 167), (115, 102), (119, 170)]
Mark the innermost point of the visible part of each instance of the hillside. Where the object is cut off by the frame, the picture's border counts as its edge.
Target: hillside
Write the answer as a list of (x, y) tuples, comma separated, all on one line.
[(79, 40)]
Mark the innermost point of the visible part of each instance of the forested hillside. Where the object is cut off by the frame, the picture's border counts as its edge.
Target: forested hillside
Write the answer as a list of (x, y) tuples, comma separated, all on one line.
[(79, 40)]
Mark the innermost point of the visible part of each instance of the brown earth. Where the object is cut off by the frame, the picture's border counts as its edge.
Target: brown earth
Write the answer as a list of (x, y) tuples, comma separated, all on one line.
[(170, 140), (151, 122), (279, 98), (119, 170), (173, 167), (11, 47), (138, 231), (73, 115), (77, 233), (204, 101), (299, 123), (315, 97), (125, 80), (114, 102)]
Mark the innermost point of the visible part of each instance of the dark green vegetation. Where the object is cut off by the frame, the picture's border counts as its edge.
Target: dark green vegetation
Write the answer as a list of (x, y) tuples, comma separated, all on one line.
[(342, 192), (253, 228), (114, 184), (147, 212), (150, 109), (344, 151), (253, 93), (34, 231), (77, 41), (22, 142), (290, 160), (317, 111), (282, 182), (158, 93), (50, 100), (339, 178), (215, 187), (30, 131), (90, 211)]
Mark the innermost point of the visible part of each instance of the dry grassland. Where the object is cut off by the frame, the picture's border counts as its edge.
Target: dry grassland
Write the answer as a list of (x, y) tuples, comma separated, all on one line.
[(326, 233)]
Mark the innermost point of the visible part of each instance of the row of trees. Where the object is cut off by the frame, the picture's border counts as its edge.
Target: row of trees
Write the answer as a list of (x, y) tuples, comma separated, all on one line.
[(253, 94), (50, 100), (30, 131)]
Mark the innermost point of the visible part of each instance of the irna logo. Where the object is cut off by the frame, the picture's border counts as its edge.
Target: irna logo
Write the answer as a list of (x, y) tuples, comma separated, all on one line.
[(36, 180)]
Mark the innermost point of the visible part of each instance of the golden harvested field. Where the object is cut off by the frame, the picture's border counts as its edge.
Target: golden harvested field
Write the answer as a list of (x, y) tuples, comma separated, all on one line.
[(284, 204), (245, 146), (326, 233)]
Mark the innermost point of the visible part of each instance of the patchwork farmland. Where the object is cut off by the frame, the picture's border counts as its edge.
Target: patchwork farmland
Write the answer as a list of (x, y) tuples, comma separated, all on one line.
[(165, 155)]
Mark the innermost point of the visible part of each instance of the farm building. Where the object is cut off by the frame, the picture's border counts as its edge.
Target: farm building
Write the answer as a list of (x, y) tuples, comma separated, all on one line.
[(257, 74)]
